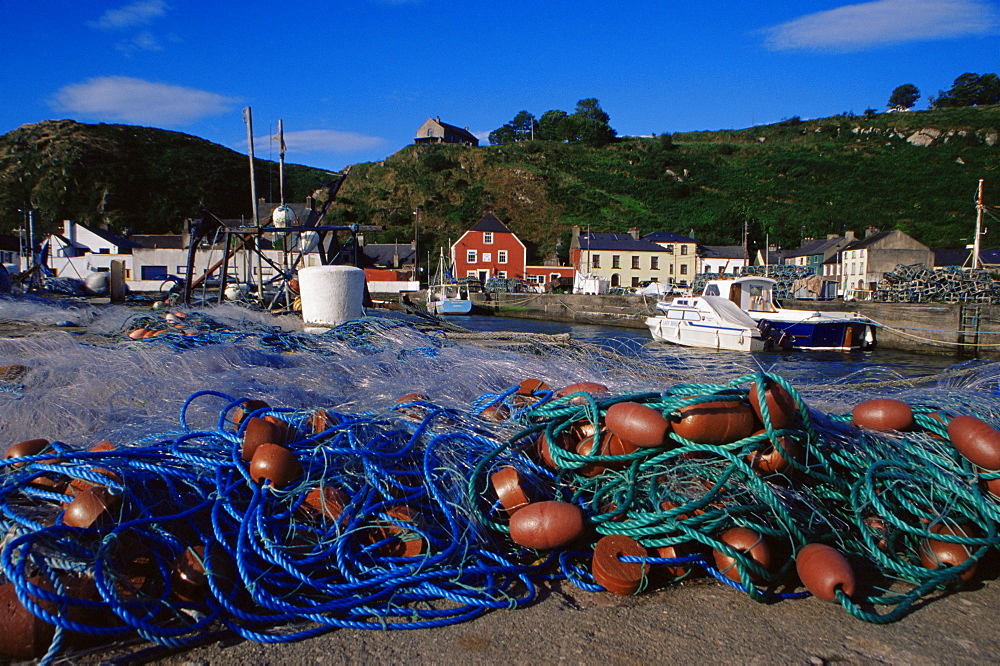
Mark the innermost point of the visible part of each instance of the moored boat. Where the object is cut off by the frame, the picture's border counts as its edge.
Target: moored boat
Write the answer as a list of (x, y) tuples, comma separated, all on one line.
[(710, 322), (446, 296), (804, 329)]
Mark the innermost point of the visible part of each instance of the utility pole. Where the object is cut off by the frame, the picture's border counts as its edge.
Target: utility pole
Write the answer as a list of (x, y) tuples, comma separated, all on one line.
[(416, 252)]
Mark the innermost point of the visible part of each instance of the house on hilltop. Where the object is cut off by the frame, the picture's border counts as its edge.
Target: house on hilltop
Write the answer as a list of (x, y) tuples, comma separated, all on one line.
[(435, 131)]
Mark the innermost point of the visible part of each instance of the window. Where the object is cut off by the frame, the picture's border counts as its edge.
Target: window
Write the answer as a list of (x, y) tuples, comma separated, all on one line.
[(684, 269), (670, 269), (502, 274), (595, 261), (487, 257), (635, 281), (472, 274), (154, 273), (501, 256), (684, 249), (635, 262), (488, 237), (616, 261), (554, 276), (654, 263), (670, 248), (470, 257)]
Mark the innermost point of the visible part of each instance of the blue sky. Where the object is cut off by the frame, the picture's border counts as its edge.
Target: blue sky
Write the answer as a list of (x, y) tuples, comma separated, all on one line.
[(353, 81)]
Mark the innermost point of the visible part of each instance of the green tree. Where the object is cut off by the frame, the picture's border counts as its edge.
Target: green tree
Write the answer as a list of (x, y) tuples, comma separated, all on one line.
[(550, 127), (904, 97), (970, 89), (522, 128), (589, 124)]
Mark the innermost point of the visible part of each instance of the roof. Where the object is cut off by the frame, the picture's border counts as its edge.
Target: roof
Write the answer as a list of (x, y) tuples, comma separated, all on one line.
[(868, 242), (382, 253), (819, 246), (951, 257), (162, 241), (619, 242), (114, 239), (963, 257), (491, 222), (723, 251), (667, 237)]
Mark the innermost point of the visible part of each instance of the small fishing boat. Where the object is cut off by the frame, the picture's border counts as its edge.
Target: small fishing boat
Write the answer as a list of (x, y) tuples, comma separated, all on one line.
[(711, 322), (802, 329), (446, 296)]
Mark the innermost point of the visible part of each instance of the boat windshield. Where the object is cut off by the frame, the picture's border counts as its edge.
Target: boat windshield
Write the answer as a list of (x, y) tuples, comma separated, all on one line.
[(712, 290), (760, 299)]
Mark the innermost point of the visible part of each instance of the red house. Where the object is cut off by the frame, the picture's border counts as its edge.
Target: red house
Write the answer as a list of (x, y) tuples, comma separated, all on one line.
[(490, 250), (487, 250)]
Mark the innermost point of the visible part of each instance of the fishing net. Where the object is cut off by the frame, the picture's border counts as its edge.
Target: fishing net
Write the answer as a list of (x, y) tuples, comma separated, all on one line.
[(178, 474)]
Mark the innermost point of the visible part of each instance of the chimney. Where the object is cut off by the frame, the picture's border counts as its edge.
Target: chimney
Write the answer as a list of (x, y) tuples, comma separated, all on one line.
[(691, 234), (634, 232), (69, 231), (871, 231), (576, 234), (831, 236), (849, 235)]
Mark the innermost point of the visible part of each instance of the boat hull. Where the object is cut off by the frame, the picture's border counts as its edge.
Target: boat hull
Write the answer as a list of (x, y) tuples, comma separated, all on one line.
[(452, 307), (691, 334), (845, 335)]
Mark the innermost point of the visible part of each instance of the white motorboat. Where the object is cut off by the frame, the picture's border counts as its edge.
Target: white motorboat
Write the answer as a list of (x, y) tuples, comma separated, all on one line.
[(801, 329), (710, 322)]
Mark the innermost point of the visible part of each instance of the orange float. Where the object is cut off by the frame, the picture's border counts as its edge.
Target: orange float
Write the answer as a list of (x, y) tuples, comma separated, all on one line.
[(781, 405), (546, 525), (935, 553), (274, 463), (610, 572), (976, 440), (824, 570), (637, 424), (509, 487), (884, 415), (260, 431), (750, 543), (716, 422)]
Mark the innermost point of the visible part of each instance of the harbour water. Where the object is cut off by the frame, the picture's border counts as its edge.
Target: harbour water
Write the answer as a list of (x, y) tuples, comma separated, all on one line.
[(812, 367)]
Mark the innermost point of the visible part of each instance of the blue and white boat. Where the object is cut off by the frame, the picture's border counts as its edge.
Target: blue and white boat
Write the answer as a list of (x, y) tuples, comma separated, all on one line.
[(446, 296), (710, 322), (800, 329)]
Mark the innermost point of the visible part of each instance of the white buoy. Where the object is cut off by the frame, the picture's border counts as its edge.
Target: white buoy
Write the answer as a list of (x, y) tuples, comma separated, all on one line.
[(331, 295)]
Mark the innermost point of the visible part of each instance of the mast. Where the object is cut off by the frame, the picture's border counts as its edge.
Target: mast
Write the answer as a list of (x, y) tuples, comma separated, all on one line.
[(248, 119), (281, 161), (979, 225)]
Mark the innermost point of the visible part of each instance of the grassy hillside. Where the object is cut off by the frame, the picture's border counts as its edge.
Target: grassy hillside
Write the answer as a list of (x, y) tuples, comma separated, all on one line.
[(129, 179), (787, 180)]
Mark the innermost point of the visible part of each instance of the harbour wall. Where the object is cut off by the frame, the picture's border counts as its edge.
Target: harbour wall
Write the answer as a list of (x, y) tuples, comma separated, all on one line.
[(963, 330)]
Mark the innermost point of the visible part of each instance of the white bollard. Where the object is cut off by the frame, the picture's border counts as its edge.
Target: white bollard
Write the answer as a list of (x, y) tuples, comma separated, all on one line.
[(331, 295)]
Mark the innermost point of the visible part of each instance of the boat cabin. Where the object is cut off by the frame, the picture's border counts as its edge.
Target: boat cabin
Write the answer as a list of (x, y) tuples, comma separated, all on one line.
[(750, 294)]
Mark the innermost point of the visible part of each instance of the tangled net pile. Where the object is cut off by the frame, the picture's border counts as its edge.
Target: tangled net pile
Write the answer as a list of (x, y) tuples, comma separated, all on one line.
[(280, 523)]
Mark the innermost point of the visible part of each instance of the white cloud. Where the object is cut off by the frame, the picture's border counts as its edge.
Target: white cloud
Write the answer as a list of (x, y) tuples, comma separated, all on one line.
[(129, 100), (141, 12), (329, 141), (871, 24)]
